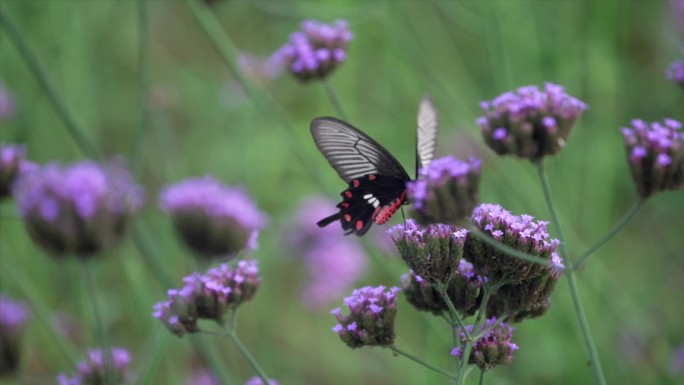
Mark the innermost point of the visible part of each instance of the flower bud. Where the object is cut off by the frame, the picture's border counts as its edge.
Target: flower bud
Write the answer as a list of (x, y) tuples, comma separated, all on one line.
[(530, 123), (676, 73), (493, 349), (13, 317), (371, 317), (93, 372), (211, 218), (432, 252), (316, 51), (446, 191), (79, 209), (208, 296), (656, 155), (463, 291)]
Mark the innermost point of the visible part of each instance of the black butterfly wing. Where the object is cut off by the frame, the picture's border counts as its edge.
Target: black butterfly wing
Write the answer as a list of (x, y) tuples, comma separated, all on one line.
[(426, 134), (352, 153)]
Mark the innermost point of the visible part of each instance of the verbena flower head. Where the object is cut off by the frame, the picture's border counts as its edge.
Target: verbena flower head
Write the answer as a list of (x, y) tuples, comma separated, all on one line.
[(258, 381), (656, 155), (8, 104), (12, 164), (676, 72), (212, 219), (370, 321), (530, 123), (446, 191), (334, 266), (493, 349), (92, 371), (433, 252), (316, 50), (463, 291), (13, 317), (80, 209), (208, 296)]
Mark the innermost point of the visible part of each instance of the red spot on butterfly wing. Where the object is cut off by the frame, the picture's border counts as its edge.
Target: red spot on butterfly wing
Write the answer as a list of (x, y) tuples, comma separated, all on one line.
[(348, 194), (371, 176), (347, 217), (359, 225), (384, 213), (344, 205), (356, 183)]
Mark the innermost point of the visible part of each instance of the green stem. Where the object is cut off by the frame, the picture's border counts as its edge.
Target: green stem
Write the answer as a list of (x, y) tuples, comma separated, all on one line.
[(572, 281), (143, 80), (107, 359), (39, 72), (419, 361), (334, 100), (442, 290), (247, 355), (486, 238), (470, 340), (481, 382), (636, 206)]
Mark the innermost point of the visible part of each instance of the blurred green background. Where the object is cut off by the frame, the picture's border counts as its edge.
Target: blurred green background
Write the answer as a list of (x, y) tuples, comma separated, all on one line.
[(610, 54)]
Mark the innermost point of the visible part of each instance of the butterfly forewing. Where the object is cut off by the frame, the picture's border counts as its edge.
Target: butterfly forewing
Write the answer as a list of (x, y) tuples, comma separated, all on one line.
[(352, 153), (426, 134)]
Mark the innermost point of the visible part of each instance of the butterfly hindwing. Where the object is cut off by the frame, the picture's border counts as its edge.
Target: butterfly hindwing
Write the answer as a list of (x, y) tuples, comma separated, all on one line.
[(426, 133)]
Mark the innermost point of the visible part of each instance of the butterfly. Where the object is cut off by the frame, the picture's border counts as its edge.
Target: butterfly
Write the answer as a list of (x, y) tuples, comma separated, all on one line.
[(377, 181)]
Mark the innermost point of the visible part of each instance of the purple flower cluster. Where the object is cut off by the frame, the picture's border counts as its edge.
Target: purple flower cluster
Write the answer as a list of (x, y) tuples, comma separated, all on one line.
[(433, 252), (208, 296), (82, 208), (93, 372), (316, 50), (13, 317), (446, 191), (676, 72), (212, 219), (258, 381), (8, 105), (463, 291), (371, 317), (530, 123), (656, 155), (13, 163), (334, 263), (493, 349)]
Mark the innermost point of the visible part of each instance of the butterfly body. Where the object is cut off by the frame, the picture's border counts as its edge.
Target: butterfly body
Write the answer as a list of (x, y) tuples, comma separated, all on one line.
[(376, 180)]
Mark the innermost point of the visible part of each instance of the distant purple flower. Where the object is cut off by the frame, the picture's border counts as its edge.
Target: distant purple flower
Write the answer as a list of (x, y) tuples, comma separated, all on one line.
[(493, 349), (676, 73), (92, 371), (446, 191), (212, 219), (677, 362), (82, 208), (656, 155), (334, 266), (208, 296), (8, 104), (432, 252), (316, 51), (370, 321), (12, 164), (530, 123), (203, 377), (13, 316), (257, 381)]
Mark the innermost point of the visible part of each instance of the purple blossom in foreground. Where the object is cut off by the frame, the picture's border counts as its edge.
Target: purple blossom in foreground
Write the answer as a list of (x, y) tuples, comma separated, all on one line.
[(8, 105), (463, 291), (212, 219), (656, 155), (493, 349), (208, 296), (432, 252), (92, 370), (258, 381), (13, 317), (78, 209), (530, 123), (528, 285), (676, 73), (446, 191), (13, 163), (371, 317), (316, 50)]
